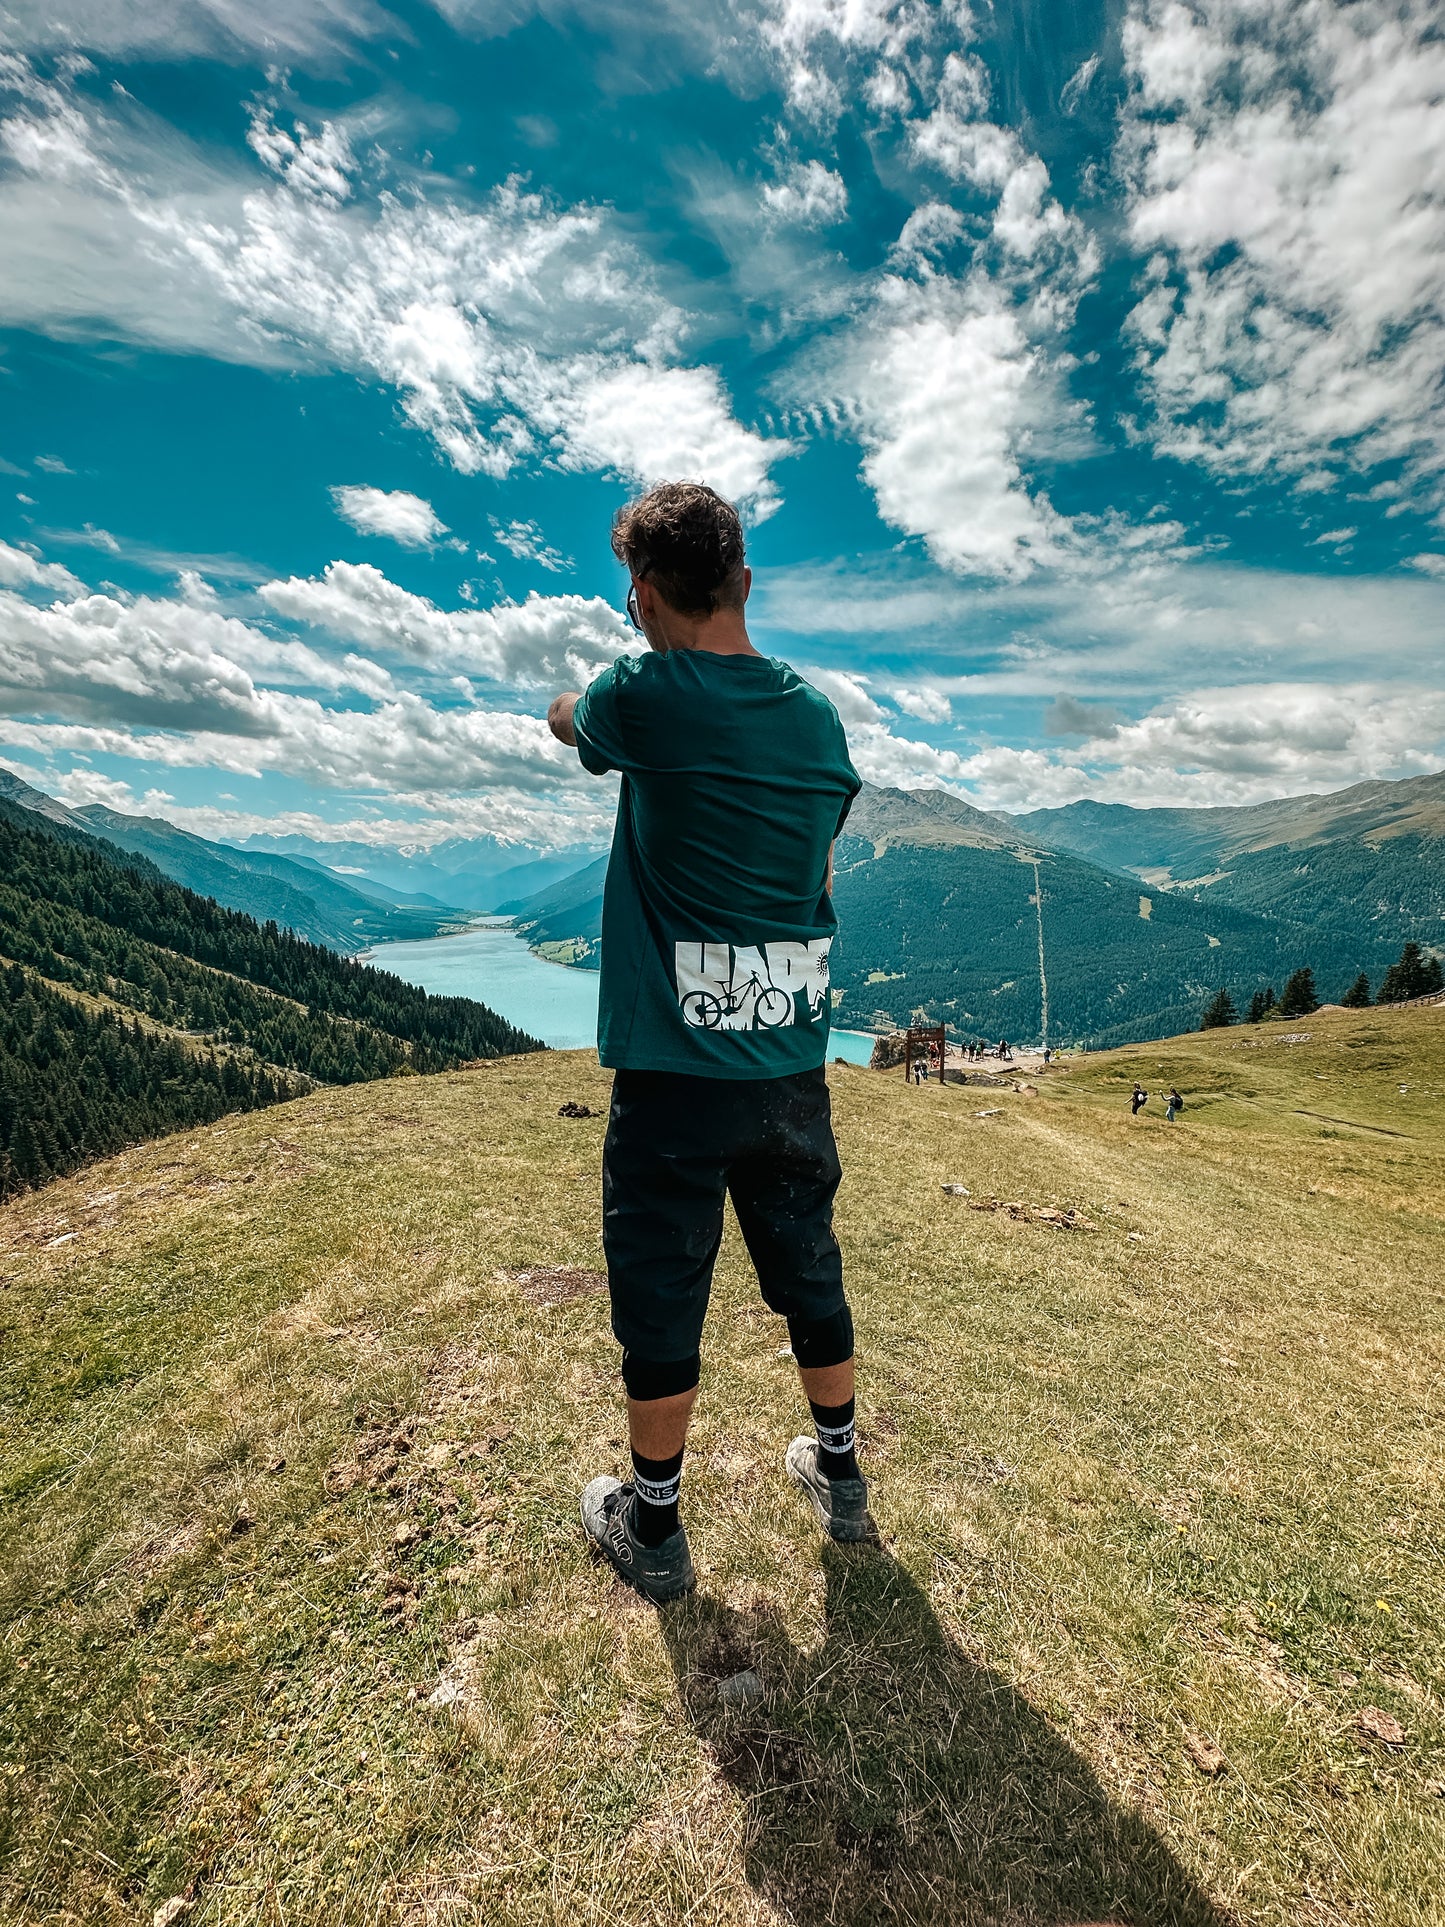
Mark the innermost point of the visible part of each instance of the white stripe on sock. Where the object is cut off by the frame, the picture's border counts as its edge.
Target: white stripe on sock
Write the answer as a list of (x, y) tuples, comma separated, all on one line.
[(657, 1491), (837, 1438)]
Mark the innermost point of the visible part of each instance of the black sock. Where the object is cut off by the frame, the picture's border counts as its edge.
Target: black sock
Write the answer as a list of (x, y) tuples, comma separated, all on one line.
[(656, 1483), (837, 1458)]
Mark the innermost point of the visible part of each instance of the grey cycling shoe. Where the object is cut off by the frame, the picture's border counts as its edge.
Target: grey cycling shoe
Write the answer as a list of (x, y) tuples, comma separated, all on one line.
[(841, 1504), (659, 1573)]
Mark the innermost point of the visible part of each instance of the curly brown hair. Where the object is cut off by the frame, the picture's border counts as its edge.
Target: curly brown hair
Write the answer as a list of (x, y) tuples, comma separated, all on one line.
[(688, 542)]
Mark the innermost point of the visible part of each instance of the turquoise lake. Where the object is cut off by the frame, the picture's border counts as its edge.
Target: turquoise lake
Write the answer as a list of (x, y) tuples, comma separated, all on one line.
[(551, 1001)]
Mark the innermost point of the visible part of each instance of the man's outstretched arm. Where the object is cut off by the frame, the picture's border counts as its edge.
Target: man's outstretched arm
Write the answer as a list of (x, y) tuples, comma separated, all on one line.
[(559, 717)]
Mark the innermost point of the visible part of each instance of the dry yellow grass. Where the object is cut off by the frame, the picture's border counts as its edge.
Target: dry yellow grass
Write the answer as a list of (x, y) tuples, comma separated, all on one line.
[(1153, 1493)]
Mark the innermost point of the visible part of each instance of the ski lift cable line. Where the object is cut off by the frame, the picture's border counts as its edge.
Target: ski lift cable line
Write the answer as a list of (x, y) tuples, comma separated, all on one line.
[(1043, 973)]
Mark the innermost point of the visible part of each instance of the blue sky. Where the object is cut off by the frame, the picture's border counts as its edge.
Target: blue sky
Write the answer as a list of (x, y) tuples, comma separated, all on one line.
[(1078, 370)]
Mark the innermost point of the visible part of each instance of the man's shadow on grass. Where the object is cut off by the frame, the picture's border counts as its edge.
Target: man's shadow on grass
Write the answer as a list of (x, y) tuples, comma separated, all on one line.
[(888, 1777)]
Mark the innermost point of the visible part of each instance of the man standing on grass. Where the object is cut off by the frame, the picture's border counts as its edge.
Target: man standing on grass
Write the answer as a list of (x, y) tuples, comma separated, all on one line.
[(714, 1008)]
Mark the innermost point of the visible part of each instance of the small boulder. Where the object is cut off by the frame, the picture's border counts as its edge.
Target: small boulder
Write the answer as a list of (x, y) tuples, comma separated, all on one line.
[(1205, 1755), (742, 1690), (1372, 1723)]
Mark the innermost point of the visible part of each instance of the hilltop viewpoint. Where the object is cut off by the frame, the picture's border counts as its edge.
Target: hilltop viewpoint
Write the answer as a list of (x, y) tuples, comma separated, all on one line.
[(301, 1628)]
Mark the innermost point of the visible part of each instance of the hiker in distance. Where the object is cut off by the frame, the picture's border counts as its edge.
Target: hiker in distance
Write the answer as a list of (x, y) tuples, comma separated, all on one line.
[(714, 1008), (1138, 1099)]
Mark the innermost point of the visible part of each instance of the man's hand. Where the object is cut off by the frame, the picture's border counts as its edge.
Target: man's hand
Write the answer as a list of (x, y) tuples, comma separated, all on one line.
[(559, 717)]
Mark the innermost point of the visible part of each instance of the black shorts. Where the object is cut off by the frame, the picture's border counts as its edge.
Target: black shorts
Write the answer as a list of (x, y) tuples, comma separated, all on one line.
[(675, 1146)]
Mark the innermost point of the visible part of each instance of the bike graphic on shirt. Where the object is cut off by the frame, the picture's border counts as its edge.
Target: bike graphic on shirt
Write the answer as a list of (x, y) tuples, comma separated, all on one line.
[(722, 987), (706, 1009)]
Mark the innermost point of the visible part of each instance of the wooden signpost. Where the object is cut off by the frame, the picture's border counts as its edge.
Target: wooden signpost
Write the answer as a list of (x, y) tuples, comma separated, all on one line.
[(921, 1040)]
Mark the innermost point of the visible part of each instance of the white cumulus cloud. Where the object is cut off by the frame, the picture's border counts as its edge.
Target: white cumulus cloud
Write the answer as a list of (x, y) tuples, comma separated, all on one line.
[(319, 164), (526, 541), (234, 30), (19, 569), (1286, 178), (951, 373), (926, 704), (180, 682), (808, 194), (847, 695), (527, 644), (1288, 737), (408, 519)]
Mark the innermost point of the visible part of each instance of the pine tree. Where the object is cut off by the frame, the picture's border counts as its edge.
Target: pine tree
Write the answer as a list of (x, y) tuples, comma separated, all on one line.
[(1260, 1005), (1415, 975), (1357, 996), (1219, 1012), (1300, 996)]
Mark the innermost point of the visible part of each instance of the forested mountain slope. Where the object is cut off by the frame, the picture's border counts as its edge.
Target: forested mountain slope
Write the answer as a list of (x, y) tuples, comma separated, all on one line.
[(1394, 888), (304, 897), (565, 915), (86, 921), (950, 935)]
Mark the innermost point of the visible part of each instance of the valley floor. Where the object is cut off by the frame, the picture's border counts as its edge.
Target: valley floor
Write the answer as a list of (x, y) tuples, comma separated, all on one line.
[(299, 1627)]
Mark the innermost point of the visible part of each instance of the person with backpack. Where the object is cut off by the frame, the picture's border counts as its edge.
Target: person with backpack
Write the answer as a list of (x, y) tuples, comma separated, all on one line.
[(1174, 1106), (713, 1015), (1139, 1099)]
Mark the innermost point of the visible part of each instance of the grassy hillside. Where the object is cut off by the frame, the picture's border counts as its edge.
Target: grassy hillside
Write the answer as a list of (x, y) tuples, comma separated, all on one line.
[(299, 1625)]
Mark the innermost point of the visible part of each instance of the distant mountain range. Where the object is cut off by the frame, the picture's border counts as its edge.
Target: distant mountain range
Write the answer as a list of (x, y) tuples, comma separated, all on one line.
[(1365, 861), (345, 895), (477, 874), (1146, 913), (1188, 844)]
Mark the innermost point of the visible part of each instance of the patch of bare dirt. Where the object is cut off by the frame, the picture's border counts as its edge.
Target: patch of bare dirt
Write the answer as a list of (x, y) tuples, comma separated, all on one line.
[(556, 1284), (1056, 1217)]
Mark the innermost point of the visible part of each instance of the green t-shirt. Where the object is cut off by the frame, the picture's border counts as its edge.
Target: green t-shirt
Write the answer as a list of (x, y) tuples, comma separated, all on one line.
[(716, 920)]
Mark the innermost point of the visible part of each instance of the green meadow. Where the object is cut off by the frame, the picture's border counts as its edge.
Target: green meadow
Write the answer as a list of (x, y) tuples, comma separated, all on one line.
[(299, 1626)]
